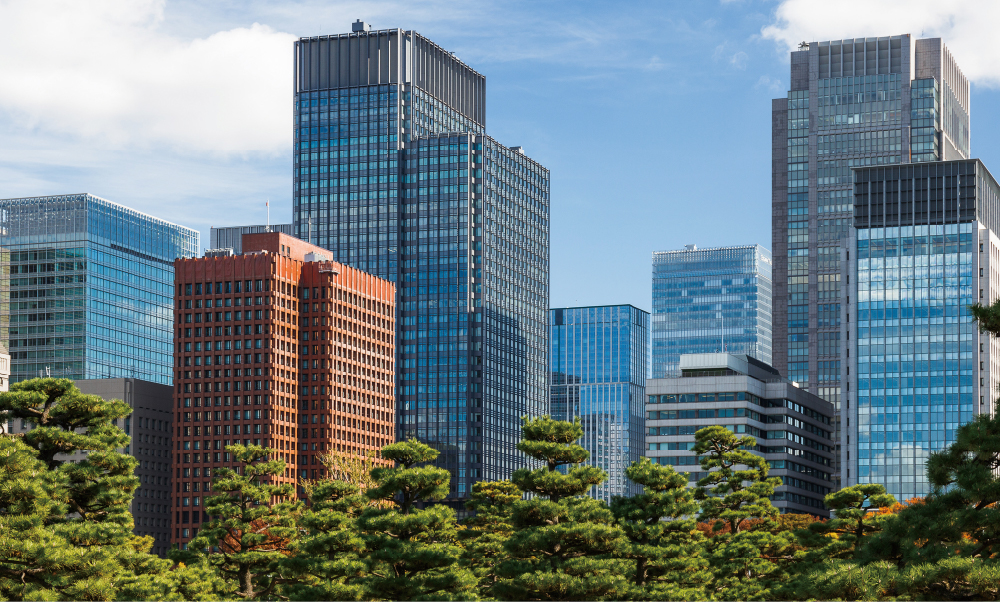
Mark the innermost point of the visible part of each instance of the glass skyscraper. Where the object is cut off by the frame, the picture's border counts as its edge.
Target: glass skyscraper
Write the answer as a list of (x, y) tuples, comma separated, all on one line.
[(599, 375), (710, 300), (852, 103), (924, 247), (395, 175), (87, 288)]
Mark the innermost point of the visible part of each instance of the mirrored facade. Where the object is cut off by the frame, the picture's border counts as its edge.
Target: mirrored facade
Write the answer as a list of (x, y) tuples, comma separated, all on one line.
[(917, 366), (395, 175), (599, 376), (710, 300), (87, 289)]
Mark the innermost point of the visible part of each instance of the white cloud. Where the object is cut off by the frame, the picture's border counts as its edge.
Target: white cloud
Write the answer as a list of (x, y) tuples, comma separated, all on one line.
[(771, 84), (739, 60), (967, 27), (102, 70)]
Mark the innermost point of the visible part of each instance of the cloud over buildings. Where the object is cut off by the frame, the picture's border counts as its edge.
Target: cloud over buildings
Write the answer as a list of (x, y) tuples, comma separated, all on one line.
[(105, 71), (967, 27)]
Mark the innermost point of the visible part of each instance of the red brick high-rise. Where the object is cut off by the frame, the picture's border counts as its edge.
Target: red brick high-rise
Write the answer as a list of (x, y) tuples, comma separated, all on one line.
[(277, 347)]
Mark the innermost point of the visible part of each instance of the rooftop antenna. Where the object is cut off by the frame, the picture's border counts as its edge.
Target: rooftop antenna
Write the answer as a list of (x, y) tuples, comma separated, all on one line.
[(267, 206), (310, 229)]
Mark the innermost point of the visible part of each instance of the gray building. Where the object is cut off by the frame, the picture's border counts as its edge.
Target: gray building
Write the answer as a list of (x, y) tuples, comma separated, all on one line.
[(599, 376), (923, 248), (90, 288), (149, 426), (710, 300), (863, 102), (793, 427), (231, 237), (395, 175)]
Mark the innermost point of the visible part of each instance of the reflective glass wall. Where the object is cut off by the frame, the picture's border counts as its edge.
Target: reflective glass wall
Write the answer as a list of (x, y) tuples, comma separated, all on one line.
[(87, 290), (599, 376), (917, 349), (710, 300)]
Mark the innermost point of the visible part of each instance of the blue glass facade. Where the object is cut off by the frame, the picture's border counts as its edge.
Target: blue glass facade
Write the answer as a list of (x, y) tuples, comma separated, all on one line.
[(394, 174), (710, 300), (87, 290), (920, 366), (599, 375)]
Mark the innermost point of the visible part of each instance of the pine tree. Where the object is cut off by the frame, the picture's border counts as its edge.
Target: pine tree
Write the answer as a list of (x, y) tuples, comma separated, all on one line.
[(412, 552), (253, 524), (488, 530), (65, 527), (667, 549), (330, 554), (564, 545), (855, 518), (753, 553)]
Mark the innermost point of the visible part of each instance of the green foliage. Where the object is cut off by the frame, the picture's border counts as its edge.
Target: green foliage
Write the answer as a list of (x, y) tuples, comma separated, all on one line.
[(664, 543), (564, 547), (330, 554), (753, 554), (488, 530), (412, 553), (854, 520), (250, 534), (65, 527)]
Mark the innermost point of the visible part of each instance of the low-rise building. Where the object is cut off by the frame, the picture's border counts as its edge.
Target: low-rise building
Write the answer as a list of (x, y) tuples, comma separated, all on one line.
[(792, 426)]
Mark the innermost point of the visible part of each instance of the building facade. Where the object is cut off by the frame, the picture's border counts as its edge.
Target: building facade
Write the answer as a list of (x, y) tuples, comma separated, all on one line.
[(231, 237), (88, 293), (710, 300), (793, 427), (149, 426), (852, 103), (599, 376), (395, 175), (279, 347), (924, 247)]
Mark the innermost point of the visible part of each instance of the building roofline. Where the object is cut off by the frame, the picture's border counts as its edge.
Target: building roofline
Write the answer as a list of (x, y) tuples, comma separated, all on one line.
[(94, 197), (598, 306)]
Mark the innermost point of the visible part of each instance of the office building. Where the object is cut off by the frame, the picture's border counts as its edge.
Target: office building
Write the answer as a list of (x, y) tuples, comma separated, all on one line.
[(149, 427), (599, 376), (708, 301), (278, 347), (395, 174), (793, 427), (852, 103), (4, 379), (923, 248), (232, 237), (89, 288)]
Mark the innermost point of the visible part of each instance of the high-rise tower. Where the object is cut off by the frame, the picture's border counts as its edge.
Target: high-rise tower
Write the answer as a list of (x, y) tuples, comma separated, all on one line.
[(852, 103), (395, 175)]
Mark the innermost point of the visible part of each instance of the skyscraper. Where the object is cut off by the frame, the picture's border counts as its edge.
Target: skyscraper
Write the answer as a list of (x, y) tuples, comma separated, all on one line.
[(852, 103), (90, 288), (710, 300), (277, 347), (395, 175), (599, 376), (925, 245), (231, 237)]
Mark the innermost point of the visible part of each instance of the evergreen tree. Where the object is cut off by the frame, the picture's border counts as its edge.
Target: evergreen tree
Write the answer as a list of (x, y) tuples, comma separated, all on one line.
[(488, 530), (412, 552), (753, 553), (855, 518), (253, 524), (667, 548), (331, 553), (564, 545), (65, 527)]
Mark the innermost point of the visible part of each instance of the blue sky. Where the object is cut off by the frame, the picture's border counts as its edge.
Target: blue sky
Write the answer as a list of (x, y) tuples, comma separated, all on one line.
[(654, 117)]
